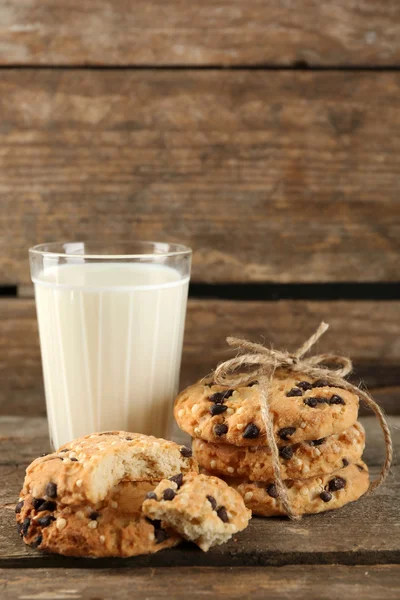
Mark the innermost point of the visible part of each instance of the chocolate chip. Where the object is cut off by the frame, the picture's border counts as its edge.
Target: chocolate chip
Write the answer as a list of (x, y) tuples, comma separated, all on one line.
[(65, 450), (151, 496), (252, 383), (286, 432), (223, 515), (217, 398), (360, 467), (37, 503), (271, 490), (18, 507), (316, 442), (294, 392), (320, 383), (325, 496), (129, 439), (220, 397), (155, 522), (217, 409), (51, 490), (178, 479), (337, 483), (251, 432), (48, 505), (160, 535), (93, 515), (25, 526), (335, 399), (36, 542), (345, 462), (314, 401), (45, 521), (74, 459), (304, 385), (286, 452), (169, 494), (186, 452), (220, 429), (212, 501)]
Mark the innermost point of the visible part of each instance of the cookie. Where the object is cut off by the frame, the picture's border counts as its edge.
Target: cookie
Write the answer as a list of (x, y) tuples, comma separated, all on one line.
[(87, 468), (298, 461), (201, 509), (301, 410), (313, 495), (114, 527)]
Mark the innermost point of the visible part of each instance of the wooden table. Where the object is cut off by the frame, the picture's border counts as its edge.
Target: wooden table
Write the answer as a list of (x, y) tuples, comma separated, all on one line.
[(266, 136), (353, 551)]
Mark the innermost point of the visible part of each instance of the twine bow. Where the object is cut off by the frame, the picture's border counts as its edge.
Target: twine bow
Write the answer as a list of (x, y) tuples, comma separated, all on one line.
[(260, 363)]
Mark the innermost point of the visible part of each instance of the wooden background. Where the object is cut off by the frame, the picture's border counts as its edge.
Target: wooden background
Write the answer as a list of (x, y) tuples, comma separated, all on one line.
[(265, 134)]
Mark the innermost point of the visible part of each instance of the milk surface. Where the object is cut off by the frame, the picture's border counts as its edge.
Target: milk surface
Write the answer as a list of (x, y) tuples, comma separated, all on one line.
[(111, 340)]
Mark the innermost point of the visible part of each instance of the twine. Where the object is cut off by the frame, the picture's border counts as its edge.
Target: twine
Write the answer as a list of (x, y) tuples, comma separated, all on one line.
[(260, 363)]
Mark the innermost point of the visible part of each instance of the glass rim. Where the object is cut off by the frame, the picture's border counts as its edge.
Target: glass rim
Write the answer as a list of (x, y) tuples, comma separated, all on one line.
[(178, 250)]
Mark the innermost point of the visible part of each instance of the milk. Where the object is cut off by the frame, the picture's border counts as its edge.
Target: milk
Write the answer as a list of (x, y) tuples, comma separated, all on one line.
[(111, 341)]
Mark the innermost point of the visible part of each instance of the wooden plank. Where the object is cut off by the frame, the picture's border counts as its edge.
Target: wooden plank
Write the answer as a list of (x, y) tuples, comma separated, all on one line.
[(269, 176), (366, 331), (24, 438), (311, 583), (364, 532), (217, 33)]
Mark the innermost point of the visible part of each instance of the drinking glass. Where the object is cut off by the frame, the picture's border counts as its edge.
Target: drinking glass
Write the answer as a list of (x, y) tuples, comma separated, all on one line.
[(111, 321)]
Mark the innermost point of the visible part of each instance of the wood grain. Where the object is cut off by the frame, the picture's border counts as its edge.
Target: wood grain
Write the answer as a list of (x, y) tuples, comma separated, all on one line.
[(310, 583), (269, 176), (364, 532), (114, 32), (24, 438), (366, 331)]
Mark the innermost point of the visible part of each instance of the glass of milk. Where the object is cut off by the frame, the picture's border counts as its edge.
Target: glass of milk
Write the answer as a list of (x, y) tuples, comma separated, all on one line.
[(111, 322)]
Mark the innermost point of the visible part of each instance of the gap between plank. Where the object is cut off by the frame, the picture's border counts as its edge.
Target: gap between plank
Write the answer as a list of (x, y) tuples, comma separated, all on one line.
[(362, 291), (330, 291)]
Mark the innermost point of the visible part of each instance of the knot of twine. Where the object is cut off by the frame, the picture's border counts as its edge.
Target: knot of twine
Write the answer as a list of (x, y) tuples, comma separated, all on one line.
[(260, 363)]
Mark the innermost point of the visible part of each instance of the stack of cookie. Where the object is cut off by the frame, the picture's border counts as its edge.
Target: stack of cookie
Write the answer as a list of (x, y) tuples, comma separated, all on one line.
[(320, 441), (122, 494)]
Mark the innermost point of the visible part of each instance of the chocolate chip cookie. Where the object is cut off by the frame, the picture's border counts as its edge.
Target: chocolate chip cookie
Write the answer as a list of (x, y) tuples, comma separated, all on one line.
[(302, 409), (202, 509), (298, 461), (87, 468), (307, 496), (114, 527)]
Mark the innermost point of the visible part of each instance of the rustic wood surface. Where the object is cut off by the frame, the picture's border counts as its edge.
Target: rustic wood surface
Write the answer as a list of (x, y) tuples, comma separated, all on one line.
[(269, 176), (272, 176), (114, 32), (366, 331), (365, 532), (310, 583)]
